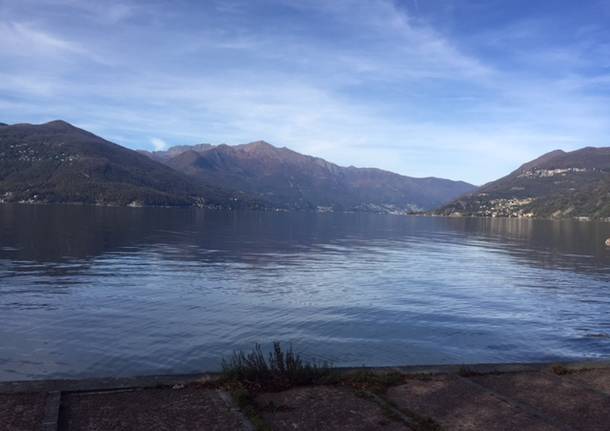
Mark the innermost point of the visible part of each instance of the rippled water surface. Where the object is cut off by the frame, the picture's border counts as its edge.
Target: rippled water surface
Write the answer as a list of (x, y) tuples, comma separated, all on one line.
[(118, 291)]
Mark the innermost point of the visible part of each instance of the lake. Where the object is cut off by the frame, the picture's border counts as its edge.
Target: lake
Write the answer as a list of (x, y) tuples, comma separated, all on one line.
[(92, 291)]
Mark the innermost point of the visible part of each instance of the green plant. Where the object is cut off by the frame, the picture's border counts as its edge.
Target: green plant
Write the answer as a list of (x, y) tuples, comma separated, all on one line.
[(276, 371), (247, 405)]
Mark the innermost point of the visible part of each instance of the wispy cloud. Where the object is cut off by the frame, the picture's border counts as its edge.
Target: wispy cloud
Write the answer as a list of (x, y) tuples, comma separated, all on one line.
[(358, 82), (22, 39)]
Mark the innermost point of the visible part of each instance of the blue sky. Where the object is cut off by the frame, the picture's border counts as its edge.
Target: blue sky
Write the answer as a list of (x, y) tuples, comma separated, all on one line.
[(450, 88)]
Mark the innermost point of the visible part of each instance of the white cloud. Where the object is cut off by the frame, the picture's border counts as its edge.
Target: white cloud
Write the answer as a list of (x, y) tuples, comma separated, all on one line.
[(23, 39), (26, 41), (388, 91), (111, 11), (158, 144)]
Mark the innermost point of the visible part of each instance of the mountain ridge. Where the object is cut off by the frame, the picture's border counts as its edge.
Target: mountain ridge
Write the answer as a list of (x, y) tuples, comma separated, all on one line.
[(558, 184), (56, 162), (293, 180)]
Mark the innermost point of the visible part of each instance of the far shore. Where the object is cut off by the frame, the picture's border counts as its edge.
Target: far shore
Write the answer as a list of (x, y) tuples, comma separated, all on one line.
[(213, 207)]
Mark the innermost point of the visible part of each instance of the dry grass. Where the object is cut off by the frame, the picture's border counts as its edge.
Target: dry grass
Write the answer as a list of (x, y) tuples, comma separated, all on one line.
[(278, 370)]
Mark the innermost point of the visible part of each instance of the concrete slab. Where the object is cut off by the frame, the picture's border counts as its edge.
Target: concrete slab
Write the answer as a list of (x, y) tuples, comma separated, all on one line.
[(149, 409), (22, 411), (104, 383), (575, 406), (51, 412), (324, 408), (598, 379), (456, 404)]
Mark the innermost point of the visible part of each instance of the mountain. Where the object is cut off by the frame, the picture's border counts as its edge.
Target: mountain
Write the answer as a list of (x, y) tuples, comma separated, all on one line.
[(164, 156), (59, 163), (558, 184), (291, 180)]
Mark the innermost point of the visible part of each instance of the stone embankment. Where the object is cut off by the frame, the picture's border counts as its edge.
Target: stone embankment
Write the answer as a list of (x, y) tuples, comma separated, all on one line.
[(527, 397)]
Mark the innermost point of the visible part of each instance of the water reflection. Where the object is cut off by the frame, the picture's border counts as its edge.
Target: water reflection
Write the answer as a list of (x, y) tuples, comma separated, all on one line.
[(107, 291)]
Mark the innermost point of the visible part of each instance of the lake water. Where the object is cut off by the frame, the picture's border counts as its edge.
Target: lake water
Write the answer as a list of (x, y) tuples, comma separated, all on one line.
[(90, 291)]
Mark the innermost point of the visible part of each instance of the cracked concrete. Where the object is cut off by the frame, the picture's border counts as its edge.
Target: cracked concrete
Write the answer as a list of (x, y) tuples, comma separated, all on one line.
[(526, 397)]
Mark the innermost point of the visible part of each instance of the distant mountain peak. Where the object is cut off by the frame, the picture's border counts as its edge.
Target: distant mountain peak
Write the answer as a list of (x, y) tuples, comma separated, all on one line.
[(60, 124), (545, 158), (258, 146), (289, 179), (182, 148), (260, 143)]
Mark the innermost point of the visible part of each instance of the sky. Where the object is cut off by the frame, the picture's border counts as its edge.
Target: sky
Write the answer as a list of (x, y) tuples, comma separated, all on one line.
[(460, 89)]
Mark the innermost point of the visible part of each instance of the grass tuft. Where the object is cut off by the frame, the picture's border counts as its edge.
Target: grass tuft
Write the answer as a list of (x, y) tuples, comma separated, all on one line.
[(247, 405), (278, 370)]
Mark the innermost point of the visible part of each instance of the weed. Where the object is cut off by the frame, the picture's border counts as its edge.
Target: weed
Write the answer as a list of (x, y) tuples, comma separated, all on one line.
[(247, 405), (278, 371)]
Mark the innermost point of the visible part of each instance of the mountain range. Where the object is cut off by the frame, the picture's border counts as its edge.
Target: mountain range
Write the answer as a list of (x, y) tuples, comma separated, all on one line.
[(558, 184), (59, 163), (56, 162), (290, 180)]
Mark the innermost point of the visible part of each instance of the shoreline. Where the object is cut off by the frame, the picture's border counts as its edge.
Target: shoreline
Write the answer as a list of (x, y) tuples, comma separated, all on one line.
[(155, 380), (426, 214)]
